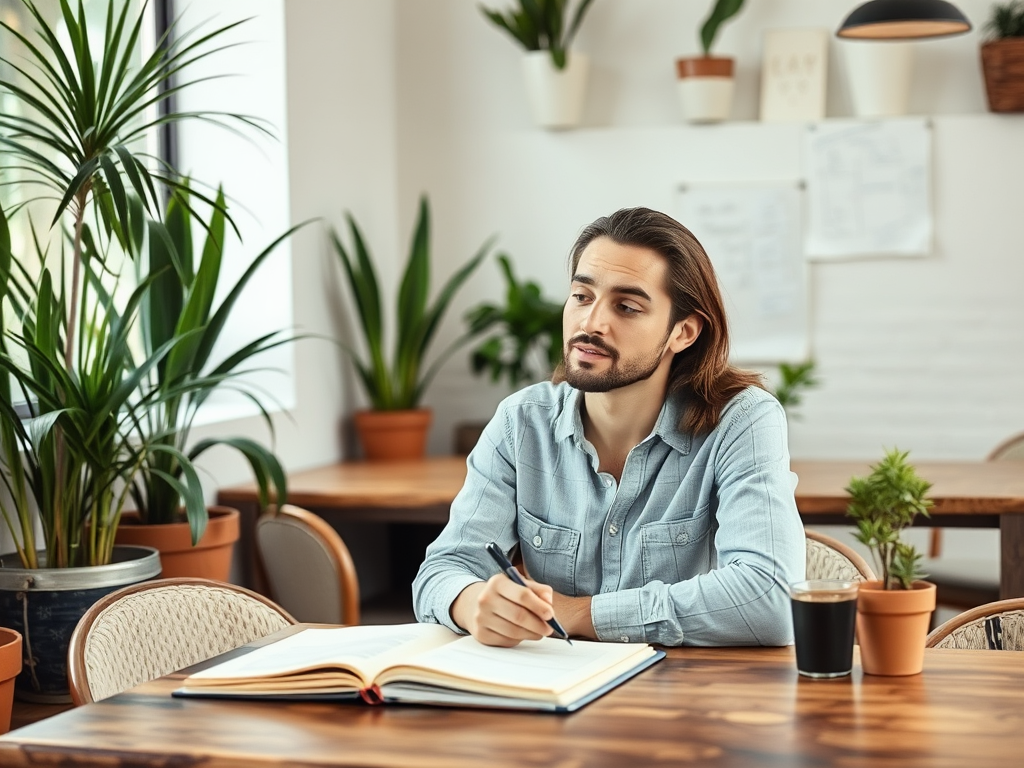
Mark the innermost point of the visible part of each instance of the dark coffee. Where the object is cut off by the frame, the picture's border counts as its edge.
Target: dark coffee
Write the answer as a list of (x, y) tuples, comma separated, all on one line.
[(823, 628)]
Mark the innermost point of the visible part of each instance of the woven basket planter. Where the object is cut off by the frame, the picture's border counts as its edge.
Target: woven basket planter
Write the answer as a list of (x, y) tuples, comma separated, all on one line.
[(1002, 61)]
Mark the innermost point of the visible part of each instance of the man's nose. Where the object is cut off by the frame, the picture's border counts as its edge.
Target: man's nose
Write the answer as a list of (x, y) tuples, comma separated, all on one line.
[(596, 319)]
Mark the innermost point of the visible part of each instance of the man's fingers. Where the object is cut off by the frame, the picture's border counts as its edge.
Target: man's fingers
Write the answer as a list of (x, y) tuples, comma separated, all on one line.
[(509, 611), (535, 597)]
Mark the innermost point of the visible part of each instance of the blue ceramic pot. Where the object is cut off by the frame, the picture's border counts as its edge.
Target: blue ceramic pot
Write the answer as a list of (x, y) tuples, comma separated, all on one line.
[(45, 604)]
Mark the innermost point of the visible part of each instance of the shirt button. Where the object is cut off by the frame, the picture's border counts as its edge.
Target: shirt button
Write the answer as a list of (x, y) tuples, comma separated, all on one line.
[(537, 541), (607, 482), (624, 638), (682, 538), (613, 529)]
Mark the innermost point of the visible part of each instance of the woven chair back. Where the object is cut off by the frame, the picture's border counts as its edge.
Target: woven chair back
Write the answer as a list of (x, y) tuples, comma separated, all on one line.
[(997, 626), (148, 630), (828, 558)]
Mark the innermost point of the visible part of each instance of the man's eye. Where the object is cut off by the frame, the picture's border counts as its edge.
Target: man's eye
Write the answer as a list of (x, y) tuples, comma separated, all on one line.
[(628, 310), (579, 297)]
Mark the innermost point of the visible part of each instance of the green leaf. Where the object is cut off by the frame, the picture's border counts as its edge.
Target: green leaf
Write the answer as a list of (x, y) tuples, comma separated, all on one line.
[(722, 11)]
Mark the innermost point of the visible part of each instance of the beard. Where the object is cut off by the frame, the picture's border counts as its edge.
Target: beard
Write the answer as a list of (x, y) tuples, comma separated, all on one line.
[(583, 377)]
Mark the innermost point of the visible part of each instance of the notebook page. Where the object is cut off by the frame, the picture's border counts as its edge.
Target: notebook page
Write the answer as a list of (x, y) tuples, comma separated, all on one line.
[(548, 664), (367, 648)]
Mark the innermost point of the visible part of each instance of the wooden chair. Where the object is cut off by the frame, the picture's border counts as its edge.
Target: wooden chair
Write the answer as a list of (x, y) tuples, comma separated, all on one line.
[(829, 558), (147, 630), (996, 626), (969, 582), (307, 566)]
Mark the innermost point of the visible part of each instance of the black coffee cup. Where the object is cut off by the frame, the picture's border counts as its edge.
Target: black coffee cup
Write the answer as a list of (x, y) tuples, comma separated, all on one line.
[(824, 617)]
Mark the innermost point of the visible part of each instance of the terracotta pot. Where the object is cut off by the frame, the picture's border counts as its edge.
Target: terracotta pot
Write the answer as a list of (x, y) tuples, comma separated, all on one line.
[(705, 86), (210, 558), (10, 668), (892, 626), (393, 435), (1002, 62)]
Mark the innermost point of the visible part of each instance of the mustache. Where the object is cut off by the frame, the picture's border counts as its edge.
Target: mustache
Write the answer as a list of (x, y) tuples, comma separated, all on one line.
[(592, 341)]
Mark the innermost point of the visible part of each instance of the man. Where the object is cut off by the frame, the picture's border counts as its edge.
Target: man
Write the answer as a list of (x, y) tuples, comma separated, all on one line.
[(648, 493)]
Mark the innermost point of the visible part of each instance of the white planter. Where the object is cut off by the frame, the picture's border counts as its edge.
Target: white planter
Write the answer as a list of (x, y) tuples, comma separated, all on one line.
[(555, 95), (705, 85), (879, 75), (706, 99)]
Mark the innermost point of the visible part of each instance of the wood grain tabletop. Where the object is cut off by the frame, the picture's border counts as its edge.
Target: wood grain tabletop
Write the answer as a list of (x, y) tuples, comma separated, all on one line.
[(706, 707)]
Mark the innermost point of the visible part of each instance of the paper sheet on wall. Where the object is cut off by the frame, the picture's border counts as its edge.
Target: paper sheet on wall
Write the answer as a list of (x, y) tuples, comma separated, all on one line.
[(868, 189), (752, 234)]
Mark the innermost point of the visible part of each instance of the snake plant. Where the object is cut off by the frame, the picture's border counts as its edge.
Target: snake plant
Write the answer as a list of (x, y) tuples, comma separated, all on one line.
[(399, 383)]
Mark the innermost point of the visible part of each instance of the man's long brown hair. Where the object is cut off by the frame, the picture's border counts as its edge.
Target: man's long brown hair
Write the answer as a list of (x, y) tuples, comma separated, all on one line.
[(701, 372)]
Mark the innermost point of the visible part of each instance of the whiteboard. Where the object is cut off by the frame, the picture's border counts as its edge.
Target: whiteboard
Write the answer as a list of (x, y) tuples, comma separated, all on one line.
[(869, 188), (753, 236)]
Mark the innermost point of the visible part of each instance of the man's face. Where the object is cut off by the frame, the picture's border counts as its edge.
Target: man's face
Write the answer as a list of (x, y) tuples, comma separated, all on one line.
[(616, 320)]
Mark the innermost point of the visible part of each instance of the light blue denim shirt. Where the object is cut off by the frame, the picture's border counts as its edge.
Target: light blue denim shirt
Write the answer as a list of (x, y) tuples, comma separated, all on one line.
[(684, 550)]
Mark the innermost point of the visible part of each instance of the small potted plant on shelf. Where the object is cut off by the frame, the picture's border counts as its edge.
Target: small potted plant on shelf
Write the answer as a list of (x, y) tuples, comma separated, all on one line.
[(554, 73), (1002, 57), (706, 83), (893, 613), (523, 345), (395, 427)]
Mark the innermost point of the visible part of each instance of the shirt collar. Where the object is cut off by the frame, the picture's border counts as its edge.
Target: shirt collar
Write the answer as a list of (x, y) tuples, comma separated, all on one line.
[(570, 424)]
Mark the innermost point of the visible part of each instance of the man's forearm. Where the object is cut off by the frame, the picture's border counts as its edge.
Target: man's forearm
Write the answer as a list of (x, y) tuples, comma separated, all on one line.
[(573, 613)]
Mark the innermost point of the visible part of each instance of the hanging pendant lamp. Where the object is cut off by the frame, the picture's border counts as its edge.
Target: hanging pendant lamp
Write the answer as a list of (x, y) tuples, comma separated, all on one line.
[(904, 20)]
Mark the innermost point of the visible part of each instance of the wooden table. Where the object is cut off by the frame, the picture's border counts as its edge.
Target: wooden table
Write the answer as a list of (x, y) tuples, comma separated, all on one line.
[(973, 494), (699, 706)]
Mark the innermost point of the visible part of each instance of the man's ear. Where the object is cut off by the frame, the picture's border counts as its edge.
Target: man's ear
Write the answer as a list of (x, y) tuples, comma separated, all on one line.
[(685, 332)]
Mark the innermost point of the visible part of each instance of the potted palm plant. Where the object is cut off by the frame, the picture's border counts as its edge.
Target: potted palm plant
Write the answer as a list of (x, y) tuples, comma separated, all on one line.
[(893, 613), (706, 82), (170, 512), (554, 73), (69, 379), (395, 427), (523, 341), (1002, 57)]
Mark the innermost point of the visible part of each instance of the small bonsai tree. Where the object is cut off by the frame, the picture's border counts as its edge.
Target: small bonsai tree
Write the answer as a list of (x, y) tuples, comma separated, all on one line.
[(883, 504)]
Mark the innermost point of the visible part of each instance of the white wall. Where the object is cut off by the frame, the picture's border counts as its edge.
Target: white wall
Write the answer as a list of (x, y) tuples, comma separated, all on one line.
[(341, 155), (915, 353), (390, 98)]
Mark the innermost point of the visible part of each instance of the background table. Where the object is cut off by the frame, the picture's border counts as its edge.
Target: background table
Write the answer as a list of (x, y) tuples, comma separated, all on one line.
[(966, 493), (699, 706)]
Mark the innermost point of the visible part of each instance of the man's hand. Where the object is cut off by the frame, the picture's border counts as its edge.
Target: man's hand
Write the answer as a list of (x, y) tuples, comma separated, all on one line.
[(500, 612)]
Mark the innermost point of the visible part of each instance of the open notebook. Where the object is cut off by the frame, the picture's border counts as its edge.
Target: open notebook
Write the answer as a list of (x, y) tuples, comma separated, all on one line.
[(423, 664)]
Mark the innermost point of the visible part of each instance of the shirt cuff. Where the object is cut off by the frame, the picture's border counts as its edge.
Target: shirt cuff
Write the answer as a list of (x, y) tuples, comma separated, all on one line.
[(617, 617), (444, 596)]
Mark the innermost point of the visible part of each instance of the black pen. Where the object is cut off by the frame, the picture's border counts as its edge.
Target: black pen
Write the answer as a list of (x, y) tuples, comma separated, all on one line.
[(512, 573)]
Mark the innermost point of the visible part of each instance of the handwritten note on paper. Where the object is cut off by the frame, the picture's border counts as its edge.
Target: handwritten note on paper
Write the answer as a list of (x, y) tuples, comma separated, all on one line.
[(752, 234), (869, 189)]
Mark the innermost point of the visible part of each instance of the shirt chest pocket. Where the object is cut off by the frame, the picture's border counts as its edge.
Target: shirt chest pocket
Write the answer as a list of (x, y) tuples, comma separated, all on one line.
[(549, 552), (676, 550)]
